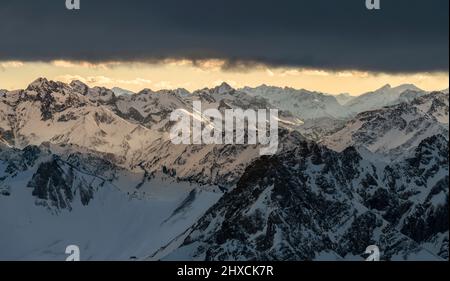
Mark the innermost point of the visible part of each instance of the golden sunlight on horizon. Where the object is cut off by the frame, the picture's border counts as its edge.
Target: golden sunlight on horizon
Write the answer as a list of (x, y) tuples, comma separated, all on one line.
[(172, 74)]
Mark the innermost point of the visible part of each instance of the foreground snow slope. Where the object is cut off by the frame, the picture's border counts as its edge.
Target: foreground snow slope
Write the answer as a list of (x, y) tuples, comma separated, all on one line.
[(48, 202)]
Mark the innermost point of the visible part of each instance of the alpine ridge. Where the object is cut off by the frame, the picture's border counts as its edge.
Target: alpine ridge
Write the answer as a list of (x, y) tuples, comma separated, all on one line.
[(349, 172)]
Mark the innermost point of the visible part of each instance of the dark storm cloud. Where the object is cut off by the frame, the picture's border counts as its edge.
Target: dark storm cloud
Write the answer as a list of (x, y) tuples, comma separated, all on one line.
[(404, 36)]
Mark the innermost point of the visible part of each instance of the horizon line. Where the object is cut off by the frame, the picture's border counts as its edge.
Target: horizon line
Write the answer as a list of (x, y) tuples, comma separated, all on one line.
[(221, 83)]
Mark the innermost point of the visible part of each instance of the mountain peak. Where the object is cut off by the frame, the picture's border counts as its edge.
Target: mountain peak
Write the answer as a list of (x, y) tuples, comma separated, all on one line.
[(45, 85), (39, 82), (79, 86), (223, 88), (145, 91), (385, 87)]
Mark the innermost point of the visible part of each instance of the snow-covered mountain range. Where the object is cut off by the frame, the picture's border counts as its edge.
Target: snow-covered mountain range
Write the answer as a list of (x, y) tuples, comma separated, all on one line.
[(311, 203), (385, 96), (395, 129), (95, 167), (302, 103)]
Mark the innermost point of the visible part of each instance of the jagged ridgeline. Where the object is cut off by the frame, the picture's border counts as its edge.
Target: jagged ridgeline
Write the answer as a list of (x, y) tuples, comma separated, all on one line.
[(95, 167)]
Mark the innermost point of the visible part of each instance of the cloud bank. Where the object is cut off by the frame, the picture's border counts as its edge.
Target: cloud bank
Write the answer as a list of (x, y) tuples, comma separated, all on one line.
[(404, 36)]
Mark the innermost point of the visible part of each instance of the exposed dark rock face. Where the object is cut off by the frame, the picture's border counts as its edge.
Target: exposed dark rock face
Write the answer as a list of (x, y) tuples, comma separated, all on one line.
[(53, 184), (57, 184), (304, 202)]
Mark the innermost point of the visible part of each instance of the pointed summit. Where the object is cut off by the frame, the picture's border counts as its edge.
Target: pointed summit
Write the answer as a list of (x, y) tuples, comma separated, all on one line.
[(384, 88), (38, 82), (47, 86), (223, 88)]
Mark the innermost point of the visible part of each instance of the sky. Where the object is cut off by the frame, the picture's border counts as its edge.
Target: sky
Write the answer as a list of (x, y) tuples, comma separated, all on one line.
[(323, 45)]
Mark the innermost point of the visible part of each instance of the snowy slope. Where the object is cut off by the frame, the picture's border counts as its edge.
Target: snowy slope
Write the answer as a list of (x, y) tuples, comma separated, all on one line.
[(48, 202), (385, 96), (312, 203), (344, 98), (133, 129), (317, 129), (395, 129), (74, 159), (54, 112), (302, 103)]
